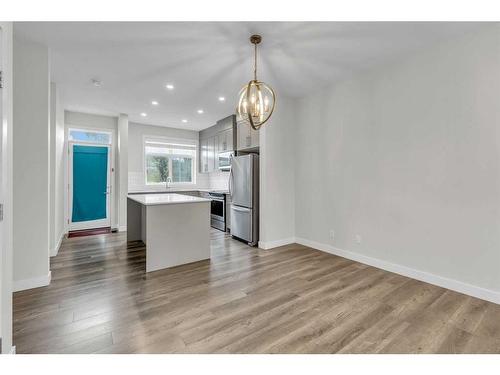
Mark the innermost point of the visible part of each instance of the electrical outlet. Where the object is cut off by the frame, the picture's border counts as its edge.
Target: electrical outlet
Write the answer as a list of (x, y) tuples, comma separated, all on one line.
[(357, 239), (332, 234)]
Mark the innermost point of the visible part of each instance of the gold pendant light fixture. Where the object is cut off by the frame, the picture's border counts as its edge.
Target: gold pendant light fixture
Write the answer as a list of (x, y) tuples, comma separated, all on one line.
[(256, 99)]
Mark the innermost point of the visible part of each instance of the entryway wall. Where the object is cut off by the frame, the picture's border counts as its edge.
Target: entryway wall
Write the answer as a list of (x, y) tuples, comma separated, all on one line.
[(31, 160), (57, 166)]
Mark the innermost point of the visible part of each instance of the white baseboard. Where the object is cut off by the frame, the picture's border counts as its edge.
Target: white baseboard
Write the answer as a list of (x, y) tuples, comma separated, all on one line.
[(122, 228), (35, 282), (444, 282), (266, 245), (55, 250)]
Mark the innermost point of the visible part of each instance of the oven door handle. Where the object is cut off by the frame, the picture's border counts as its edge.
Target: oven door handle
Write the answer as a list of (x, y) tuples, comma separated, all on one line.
[(217, 199)]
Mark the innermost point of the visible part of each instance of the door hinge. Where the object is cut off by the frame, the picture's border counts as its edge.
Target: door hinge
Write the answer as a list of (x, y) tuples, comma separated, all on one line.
[(1, 211), (1, 79)]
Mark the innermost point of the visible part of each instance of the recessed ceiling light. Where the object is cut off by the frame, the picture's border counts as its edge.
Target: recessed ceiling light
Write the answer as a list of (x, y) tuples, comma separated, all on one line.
[(184, 120), (169, 86), (200, 111), (144, 114), (222, 99), (154, 102)]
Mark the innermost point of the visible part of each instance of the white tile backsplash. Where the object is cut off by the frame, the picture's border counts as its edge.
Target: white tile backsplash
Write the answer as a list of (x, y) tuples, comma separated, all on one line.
[(219, 180), (216, 181), (136, 183)]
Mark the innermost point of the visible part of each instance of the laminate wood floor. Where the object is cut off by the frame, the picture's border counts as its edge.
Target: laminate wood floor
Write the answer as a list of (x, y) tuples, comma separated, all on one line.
[(292, 299)]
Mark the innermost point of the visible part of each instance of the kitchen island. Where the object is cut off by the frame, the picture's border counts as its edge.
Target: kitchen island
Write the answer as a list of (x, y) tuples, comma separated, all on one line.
[(174, 227)]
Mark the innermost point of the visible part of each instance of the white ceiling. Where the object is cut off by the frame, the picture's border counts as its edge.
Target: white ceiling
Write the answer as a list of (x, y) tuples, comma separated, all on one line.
[(205, 60)]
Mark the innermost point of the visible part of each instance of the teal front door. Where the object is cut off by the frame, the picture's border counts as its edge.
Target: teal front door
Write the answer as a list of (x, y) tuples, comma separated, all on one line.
[(89, 186)]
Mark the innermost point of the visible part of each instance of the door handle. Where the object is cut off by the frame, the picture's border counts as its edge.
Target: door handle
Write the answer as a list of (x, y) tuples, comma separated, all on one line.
[(231, 177), (240, 209)]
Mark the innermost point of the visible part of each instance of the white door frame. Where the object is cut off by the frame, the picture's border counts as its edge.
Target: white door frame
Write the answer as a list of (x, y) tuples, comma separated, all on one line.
[(92, 223), (6, 253)]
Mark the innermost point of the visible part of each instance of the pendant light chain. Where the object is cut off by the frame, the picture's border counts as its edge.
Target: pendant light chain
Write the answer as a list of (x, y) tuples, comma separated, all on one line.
[(255, 63)]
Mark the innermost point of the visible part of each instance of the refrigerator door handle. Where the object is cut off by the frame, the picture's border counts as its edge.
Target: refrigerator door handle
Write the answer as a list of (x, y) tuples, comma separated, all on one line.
[(240, 209), (231, 178)]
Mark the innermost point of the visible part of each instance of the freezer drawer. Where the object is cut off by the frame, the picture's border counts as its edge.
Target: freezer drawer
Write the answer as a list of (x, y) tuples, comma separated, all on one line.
[(241, 223)]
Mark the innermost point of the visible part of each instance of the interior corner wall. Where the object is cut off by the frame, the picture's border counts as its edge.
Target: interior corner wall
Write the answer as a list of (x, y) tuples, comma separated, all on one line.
[(277, 177), (123, 171), (81, 120), (31, 164), (57, 227), (403, 164), (6, 252), (52, 171)]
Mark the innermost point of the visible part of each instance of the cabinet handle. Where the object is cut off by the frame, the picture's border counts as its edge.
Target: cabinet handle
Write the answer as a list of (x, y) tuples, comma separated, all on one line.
[(224, 146)]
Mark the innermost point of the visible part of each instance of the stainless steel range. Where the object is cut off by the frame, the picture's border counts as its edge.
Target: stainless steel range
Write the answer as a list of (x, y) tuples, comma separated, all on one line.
[(218, 210)]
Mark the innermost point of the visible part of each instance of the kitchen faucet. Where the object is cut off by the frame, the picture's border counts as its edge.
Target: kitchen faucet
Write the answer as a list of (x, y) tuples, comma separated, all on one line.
[(169, 181)]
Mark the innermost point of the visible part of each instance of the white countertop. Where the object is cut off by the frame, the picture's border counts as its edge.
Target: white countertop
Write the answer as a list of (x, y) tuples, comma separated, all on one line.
[(167, 198), (174, 190)]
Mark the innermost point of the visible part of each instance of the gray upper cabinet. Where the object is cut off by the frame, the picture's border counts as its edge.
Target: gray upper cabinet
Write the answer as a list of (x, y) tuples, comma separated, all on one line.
[(214, 140), (247, 137), (211, 153), (225, 141), (207, 154), (203, 151), (226, 123)]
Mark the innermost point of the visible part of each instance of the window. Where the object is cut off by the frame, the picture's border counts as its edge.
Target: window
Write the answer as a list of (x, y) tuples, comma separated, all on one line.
[(169, 159), (89, 136)]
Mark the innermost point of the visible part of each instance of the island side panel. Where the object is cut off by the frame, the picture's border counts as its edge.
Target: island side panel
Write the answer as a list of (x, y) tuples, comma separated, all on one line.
[(177, 234), (144, 219), (134, 218)]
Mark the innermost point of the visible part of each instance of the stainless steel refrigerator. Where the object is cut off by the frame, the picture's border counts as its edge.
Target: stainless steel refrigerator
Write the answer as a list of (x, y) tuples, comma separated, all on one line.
[(244, 191)]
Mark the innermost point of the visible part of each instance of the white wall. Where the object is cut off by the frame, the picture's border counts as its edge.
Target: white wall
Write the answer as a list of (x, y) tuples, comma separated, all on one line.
[(6, 251), (52, 169), (31, 165), (277, 184), (60, 168), (408, 159), (123, 171), (57, 226), (97, 122), (136, 158)]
